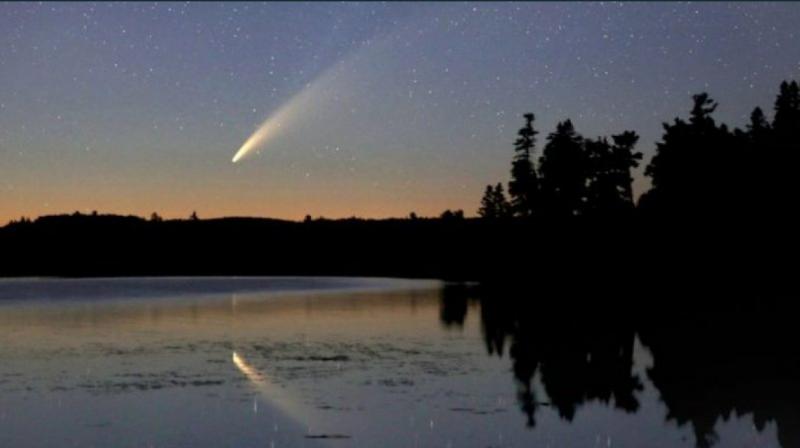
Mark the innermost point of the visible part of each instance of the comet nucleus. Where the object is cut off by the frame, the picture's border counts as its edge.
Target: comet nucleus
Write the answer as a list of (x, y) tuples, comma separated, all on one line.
[(324, 88)]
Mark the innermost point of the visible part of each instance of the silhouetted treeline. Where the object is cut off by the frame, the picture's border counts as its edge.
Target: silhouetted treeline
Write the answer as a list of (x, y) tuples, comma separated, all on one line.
[(713, 357), (594, 251), (701, 169), (108, 245), (575, 176)]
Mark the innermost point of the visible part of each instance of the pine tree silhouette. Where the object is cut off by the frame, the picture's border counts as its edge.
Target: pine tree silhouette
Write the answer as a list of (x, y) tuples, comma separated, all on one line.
[(524, 185), (563, 170), (693, 166), (609, 188), (494, 204), (785, 150)]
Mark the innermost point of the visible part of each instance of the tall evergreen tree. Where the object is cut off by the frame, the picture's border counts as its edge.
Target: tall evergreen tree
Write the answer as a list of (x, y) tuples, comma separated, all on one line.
[(787, 110), (600, 189), (487, 209), (625, 160), (691, 170), (755, 153), (494, 204), (502, 205), (609, 183), (758, 127), (524, 185), (563, 170), (785, 150)]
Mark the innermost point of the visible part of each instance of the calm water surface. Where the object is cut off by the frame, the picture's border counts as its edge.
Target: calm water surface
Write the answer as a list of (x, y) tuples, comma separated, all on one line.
[(292, 362)]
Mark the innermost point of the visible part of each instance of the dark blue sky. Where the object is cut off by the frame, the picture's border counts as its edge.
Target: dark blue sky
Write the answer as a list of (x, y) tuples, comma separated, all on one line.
[(139, 107)]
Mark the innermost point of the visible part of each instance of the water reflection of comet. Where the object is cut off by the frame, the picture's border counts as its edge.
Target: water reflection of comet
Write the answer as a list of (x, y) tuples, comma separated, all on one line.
[(277, 396), (271, 391), (252, 374)]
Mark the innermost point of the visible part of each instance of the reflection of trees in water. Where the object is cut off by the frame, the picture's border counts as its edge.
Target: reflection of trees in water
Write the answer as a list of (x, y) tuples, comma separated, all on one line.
[(708, 364), (738, 360)]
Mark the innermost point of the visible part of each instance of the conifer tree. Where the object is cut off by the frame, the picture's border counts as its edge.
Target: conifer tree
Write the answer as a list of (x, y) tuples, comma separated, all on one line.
[(563, 170), (524, 185)]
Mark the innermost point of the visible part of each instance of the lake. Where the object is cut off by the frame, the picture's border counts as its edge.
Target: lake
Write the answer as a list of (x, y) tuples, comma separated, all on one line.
[(307, 362)]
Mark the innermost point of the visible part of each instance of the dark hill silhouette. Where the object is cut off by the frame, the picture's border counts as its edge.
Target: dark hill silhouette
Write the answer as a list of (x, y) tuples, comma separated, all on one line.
[(551, 253)]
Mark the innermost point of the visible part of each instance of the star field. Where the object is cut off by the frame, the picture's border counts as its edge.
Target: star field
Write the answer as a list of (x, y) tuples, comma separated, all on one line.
[(138, 107)]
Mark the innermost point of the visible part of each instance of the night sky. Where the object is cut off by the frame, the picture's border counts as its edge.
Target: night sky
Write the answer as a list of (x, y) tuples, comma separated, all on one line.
[(385, 108)]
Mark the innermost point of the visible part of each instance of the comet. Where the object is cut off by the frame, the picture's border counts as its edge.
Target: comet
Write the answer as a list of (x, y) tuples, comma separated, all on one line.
[(324, 87), (271, 126), (309, 98), (267, 130)]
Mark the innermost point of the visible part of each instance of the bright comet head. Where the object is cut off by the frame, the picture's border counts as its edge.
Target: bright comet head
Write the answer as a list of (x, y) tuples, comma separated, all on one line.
[(310, 98), (262, 134)]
